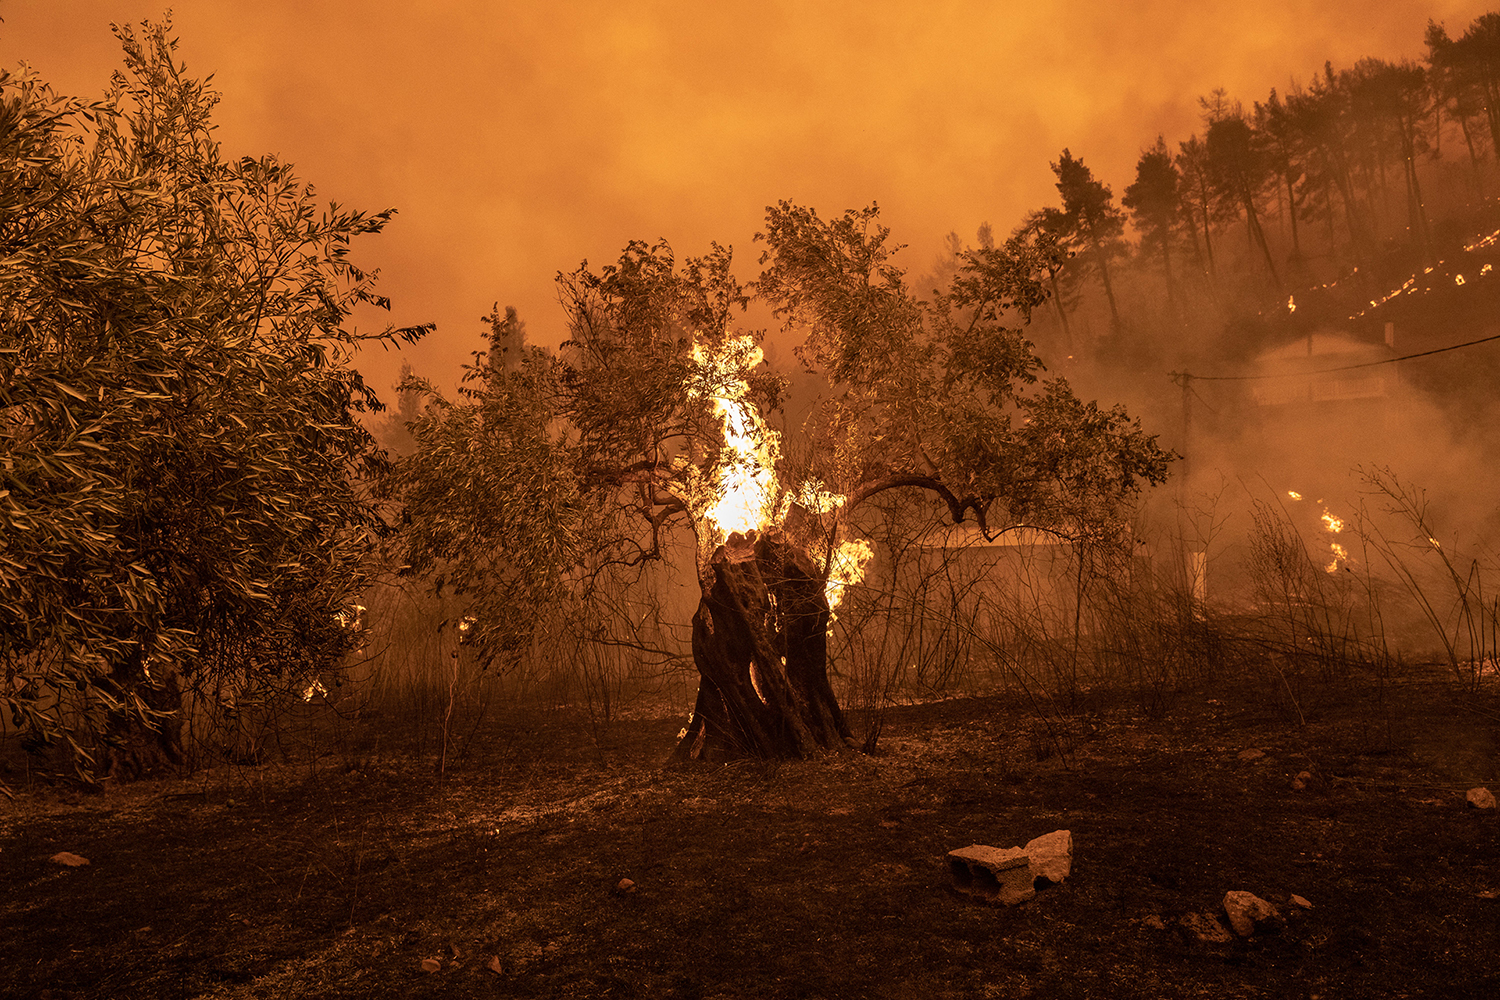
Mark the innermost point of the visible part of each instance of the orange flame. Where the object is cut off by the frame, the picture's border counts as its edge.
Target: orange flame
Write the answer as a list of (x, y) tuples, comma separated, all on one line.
[(745, 494), (847, 568), (1333, 524)]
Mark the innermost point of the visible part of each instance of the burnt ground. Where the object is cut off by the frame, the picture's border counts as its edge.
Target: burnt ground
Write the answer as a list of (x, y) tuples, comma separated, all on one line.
[(339, 876)]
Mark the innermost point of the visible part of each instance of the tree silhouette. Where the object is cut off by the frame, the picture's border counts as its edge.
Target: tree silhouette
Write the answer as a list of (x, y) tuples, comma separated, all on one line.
[(1091, 217), (1197, 199), (1046, 232), (1322, 118), (1282, 142), (1237, 168), (1155, 206), (1393, 98), (1477, 54), (1457, 92)]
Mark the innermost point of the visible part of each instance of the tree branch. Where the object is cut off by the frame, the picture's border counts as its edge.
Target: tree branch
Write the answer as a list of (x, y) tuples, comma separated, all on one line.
[(957, 506)]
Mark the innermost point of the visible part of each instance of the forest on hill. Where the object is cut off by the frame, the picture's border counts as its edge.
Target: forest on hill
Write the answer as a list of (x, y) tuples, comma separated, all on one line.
[(1326, 197)]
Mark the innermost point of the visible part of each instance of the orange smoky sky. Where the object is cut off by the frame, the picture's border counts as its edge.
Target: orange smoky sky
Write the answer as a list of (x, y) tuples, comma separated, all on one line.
[(518, 138)]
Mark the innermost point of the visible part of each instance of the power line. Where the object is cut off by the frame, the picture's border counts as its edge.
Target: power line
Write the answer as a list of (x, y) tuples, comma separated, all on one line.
[(1341, 368)]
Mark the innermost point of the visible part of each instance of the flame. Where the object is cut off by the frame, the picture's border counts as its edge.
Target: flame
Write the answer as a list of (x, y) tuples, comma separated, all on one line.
[(816, 499), (1340, 555), (1291, 303), (747, 480), (1294, 494), (1488, 241), (745, 493), (1333, 524), (847, 567), (350, 617)]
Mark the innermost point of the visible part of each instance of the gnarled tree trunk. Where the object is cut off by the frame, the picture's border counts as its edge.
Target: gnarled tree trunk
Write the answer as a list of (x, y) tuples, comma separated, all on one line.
[(134, 749), (760, 642)]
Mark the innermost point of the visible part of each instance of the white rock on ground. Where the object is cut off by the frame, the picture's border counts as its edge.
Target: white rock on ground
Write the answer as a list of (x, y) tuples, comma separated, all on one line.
[(1000, 875), (1300, 902), (1051, 856), (1245, 910), (66, 858), (1480, 798)]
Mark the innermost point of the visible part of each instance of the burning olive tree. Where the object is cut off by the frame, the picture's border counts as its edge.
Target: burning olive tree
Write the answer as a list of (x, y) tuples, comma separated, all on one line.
[(651, 420)]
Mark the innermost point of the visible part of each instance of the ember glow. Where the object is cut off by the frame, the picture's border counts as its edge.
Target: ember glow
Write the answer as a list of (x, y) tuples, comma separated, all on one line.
[(1421, 284)]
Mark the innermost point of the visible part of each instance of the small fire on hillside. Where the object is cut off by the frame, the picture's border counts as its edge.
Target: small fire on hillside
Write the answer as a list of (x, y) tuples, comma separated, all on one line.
[(1333, 525)]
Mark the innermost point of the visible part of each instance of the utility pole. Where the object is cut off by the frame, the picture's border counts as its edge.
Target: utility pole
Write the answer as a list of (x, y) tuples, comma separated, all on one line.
[(1185, 380), (1197, 560)]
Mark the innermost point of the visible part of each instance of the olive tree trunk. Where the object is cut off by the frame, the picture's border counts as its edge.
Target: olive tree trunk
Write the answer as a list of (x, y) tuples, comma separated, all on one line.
[(135, 749), (760, 643)]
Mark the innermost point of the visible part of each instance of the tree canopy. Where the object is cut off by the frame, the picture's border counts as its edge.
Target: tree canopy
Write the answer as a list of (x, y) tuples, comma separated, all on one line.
[(180, 456)]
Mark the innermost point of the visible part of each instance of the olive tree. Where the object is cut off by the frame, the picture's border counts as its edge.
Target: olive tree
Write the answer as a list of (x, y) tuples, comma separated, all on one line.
[(181, 462), (651, 424)]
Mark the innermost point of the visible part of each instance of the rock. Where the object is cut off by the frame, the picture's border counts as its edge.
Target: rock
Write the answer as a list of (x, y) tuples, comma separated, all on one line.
[(1154, 922), (1251, 754), (1302, 780), (74, 861), (1206, 927), (992, 874), (432, 964), (1245, 910), (1478, 798), (494, 965), (1051, 857), (1298, 901), (624, 886)]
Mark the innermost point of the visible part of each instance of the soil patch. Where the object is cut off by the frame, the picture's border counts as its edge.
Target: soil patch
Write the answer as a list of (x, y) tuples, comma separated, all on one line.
[(343, 876)]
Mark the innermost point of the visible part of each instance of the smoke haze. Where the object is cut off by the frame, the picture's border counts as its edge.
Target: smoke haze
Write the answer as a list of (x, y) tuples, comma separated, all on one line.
[(517, 139)]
